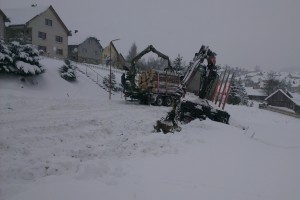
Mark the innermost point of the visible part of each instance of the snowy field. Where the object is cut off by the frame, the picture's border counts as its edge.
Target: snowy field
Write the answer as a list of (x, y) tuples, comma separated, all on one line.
[(67, 141)]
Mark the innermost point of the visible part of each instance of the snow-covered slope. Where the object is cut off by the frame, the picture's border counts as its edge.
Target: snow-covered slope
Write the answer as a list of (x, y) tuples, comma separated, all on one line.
[(259, 77), (61, 140)]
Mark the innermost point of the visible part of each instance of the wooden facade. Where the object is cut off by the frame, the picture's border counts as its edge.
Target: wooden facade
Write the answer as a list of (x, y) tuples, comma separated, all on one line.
[(257, 97), (283, 99)]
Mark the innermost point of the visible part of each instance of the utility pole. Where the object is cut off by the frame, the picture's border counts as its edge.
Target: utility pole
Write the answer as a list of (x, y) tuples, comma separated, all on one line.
[(110, 44)]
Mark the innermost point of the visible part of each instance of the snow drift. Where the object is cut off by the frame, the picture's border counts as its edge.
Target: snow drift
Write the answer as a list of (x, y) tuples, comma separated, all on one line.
[(62, 140)]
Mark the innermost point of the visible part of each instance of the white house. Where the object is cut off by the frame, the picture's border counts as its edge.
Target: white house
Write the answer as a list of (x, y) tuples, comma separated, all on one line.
[(40, 26)]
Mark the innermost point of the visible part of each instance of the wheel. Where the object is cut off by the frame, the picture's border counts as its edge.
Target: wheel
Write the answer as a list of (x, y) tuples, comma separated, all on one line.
[(152, 100), (159, 100), (168, 101)]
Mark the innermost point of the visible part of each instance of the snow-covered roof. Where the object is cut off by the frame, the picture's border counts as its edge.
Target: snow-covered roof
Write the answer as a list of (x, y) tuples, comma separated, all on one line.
[(295, 96), (4, 16), (279, 90), (117, 46), (255, 92), (77, 39), (19, 16)]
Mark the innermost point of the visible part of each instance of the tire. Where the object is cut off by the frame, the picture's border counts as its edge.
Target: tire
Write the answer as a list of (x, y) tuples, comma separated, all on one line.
[(159, 101), (168, 101), (152, 100)]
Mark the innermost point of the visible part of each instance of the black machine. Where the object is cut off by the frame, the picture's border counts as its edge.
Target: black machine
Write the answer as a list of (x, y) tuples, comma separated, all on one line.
[(199, 108)]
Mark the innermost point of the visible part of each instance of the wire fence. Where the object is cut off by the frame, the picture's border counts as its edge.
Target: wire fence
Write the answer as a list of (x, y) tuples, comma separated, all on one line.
[(91, 73), (100, 66)]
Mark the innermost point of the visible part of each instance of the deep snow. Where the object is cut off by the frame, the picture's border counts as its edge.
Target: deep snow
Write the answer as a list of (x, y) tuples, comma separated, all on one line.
[(61, 140)]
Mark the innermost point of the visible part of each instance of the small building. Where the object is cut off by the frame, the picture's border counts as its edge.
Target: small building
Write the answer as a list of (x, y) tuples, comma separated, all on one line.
[(3, 19), (40, 26), (255, 94), (284, 99), (86, 51), (117, 60)]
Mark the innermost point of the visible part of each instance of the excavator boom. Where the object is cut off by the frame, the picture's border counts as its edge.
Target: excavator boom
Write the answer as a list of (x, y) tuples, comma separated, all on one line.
[(198, 108)]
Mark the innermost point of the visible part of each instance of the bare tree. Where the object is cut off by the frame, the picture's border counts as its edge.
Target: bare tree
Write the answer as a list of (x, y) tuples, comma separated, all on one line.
[(271, 84)]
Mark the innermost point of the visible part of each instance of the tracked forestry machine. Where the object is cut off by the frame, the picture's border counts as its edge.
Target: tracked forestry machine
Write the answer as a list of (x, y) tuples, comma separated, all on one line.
[(203, 80)]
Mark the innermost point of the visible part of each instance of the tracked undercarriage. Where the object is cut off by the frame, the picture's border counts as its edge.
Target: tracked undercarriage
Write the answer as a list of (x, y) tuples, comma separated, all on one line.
[(188, 110)]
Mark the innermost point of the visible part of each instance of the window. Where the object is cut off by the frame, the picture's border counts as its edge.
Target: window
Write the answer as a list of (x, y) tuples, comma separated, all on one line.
[(59, 52), (43, 49), (59, 39), (48, 22), (42, 35)]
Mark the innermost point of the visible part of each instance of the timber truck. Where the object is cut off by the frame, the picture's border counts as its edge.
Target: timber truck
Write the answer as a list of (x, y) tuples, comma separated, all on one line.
[(156, 87)]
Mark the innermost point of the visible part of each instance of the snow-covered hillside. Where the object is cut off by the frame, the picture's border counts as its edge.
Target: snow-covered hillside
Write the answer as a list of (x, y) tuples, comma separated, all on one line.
[(258, 77), (61, 140)]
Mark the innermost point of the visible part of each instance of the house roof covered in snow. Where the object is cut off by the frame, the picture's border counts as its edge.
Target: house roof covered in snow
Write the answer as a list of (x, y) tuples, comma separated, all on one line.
[(6, 19), (21, 16), (295, 97), (254, 92), (78, 38)]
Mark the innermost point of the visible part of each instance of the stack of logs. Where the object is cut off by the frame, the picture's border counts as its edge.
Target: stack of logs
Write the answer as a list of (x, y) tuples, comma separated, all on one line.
[(158, 82)]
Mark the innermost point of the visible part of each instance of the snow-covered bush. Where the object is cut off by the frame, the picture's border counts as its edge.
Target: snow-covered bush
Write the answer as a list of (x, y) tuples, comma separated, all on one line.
[(19, 59), (6, 61), (67, 71)]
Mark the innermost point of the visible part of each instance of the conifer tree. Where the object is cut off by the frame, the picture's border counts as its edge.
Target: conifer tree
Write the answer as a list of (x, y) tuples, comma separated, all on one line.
[(106, 81), (67, 71), (233, 97), (19, 59), (6, 61), (238, 94), (178, 64)]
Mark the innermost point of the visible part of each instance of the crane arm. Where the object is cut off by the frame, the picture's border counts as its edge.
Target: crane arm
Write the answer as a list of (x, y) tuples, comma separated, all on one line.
[(150, 48)]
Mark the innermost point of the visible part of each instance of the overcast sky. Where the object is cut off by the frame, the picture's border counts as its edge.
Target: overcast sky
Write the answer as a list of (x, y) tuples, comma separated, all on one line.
[(244, 33)]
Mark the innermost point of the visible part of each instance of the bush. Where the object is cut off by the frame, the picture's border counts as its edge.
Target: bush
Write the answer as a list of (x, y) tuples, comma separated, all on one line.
[(67, 71), (6, 61), (19, 59)]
